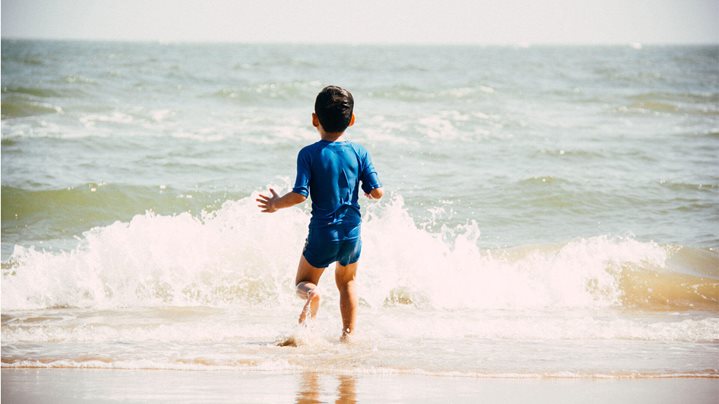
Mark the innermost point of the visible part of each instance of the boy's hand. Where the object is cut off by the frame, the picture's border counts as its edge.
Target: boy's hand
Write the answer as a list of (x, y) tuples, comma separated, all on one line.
[(273, 203), (267, 203), (376, 193)]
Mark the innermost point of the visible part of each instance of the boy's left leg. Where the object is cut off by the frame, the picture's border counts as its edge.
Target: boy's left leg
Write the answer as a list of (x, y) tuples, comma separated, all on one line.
[(306, 281), (345, 280)]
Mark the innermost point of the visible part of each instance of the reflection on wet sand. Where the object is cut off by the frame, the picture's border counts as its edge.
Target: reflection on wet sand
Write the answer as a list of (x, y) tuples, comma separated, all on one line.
[(346, 391), (310, 390)]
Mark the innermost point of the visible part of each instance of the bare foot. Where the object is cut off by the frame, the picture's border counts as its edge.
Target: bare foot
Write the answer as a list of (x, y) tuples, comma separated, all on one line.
[(311, 306), (291, 341)]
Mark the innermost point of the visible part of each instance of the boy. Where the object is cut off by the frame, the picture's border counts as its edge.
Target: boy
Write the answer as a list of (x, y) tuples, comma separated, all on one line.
[(330, 172)]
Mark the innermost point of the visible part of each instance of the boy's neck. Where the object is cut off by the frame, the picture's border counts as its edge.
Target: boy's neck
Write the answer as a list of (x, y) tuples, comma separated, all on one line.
[(332, 137)]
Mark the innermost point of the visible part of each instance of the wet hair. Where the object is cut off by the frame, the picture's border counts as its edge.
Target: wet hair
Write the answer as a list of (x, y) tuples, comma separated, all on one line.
[(334, 106)]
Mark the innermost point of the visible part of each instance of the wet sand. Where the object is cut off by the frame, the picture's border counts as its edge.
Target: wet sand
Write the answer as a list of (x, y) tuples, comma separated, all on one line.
[(155, 386)]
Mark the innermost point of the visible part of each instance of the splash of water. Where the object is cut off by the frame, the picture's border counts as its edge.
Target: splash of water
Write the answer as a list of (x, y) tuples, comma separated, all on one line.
[(237, 255)]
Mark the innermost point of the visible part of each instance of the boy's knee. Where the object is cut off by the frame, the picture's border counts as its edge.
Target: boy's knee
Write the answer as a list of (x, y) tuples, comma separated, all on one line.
[(306, 289)]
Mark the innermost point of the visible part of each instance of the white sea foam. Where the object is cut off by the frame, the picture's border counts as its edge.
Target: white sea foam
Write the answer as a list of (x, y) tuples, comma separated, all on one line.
[(198, 136), (90, 120), (448, 270), (378, 326), (239, 255), (160, 115)]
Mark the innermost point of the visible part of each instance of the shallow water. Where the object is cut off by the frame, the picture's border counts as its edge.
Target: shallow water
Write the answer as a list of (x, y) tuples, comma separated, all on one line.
[(551, 211)]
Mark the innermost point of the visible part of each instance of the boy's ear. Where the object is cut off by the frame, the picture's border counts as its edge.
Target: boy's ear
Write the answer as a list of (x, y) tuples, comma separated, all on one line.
[(352, 120), (315, 120)]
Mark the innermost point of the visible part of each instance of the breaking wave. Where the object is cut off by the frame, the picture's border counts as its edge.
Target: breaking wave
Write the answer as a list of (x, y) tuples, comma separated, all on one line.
[(236, 255)]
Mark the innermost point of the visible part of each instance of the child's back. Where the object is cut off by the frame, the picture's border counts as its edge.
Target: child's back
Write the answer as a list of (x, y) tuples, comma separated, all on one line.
[(330, 173)]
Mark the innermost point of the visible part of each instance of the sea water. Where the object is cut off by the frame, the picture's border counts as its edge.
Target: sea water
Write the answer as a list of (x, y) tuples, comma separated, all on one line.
[(549, 210)]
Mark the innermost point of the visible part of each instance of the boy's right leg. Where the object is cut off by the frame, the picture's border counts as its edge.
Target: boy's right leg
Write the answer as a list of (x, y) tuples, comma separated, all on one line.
[(306, 282)]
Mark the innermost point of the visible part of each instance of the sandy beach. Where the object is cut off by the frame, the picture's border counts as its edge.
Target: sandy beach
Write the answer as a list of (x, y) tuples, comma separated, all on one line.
[(130, 386)]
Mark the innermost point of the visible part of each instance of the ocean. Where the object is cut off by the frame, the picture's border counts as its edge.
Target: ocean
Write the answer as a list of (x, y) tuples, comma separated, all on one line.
[(550, 211)]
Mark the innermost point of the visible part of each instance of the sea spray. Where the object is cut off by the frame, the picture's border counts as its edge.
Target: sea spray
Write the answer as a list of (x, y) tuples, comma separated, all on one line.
[(409, 265), (237, 255), (233, 254)]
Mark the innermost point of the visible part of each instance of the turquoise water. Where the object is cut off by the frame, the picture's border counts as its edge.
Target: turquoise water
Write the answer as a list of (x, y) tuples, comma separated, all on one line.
[(539, 192)]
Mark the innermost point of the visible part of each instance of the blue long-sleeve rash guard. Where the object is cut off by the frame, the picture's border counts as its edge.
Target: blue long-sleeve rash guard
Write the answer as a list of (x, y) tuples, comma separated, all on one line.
[(330, 173)]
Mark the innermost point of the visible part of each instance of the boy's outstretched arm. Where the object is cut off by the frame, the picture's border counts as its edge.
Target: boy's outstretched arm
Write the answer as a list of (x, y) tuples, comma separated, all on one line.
[(270, 204)]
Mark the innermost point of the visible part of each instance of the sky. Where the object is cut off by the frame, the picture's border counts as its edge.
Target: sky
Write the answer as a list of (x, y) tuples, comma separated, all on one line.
[(367, 21)]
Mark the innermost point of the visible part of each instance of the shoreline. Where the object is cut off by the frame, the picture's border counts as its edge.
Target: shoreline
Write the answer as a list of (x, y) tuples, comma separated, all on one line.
[(61, 385), (381, 372)]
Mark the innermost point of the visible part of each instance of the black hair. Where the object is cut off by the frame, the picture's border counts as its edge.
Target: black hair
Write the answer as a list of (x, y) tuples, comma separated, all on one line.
[(334, 106)]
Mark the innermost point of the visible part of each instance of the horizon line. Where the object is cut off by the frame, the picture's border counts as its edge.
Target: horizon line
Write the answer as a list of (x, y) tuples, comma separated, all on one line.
[(519, 44)]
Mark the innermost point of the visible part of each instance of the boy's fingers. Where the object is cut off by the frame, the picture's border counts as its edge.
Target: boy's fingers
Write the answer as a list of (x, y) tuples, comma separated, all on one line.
[(264, 201)]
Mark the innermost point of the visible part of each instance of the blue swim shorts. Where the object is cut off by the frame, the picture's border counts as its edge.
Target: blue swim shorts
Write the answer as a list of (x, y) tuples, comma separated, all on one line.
[(321, 251)]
